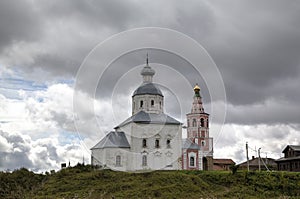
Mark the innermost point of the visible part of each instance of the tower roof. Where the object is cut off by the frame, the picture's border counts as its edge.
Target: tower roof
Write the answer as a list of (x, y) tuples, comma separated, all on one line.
[(188, 144), (197, 91), (150, 118), (113, 140), (148, 88)]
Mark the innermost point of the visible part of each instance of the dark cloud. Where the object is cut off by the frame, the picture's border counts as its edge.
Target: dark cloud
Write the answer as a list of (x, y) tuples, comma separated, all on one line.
[(258, 50), (255, 45), (19, 22)]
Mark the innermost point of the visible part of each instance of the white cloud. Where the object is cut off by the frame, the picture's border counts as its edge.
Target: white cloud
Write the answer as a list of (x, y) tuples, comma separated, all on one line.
[(272, 139), (38, 155), (40, 126)]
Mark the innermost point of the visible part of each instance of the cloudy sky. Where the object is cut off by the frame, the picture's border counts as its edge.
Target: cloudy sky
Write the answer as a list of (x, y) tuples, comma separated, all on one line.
[(43, 45)]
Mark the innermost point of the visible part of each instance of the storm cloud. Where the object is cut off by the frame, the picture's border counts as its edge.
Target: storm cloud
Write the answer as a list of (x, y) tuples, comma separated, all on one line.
[(255, 45)]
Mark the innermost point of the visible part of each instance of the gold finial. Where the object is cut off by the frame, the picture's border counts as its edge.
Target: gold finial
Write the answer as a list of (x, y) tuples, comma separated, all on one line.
[(197, 91), (196, 88)]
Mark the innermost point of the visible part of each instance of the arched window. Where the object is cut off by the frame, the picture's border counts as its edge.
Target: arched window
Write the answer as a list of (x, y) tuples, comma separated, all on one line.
[(194, 122), (160, 104), (207, 123), (141, 104), (152, 103), (192, 161), (144, 143), (168, 143), (144, 160), (202, 122), (118, 160), (157, 143)]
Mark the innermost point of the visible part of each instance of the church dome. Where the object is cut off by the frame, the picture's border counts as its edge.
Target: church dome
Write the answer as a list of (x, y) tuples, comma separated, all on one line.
[(196, 88), (148, 88), (147, 70)]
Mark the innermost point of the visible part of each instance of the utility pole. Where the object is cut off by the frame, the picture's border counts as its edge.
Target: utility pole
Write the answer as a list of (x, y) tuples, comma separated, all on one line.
[(247, 156), (259, 159)]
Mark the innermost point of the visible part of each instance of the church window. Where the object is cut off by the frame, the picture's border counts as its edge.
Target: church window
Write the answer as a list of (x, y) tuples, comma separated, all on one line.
[(141, 104), (144, 160), (152, 102), (157, 143), (168, 143), (202, 122), (160, 105), (144, 143), (118, 160), (192, 161), (194, 123)]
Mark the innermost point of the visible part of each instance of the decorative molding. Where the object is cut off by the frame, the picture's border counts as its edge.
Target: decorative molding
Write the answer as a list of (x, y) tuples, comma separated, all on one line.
[(169, 154)]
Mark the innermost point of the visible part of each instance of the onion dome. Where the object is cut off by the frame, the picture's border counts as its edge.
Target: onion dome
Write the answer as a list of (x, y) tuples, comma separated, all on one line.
[(197, 91)]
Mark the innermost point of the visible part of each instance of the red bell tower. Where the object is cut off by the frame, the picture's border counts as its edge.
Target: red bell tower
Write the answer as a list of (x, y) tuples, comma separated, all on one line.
[(198, 131)]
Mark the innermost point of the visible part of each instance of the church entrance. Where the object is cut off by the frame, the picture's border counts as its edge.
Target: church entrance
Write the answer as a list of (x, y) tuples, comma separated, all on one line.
[(205, 164)]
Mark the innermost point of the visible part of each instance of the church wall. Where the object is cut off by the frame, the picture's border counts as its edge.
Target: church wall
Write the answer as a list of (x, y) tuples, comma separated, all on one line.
[(107, 157), (157, 157), (147, 106)]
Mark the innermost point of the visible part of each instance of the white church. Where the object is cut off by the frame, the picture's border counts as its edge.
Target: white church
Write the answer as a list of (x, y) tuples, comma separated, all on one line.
[(152, 140)]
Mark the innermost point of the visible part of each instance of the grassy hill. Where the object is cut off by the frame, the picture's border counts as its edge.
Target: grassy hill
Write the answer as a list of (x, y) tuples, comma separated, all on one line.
[(86, 182)]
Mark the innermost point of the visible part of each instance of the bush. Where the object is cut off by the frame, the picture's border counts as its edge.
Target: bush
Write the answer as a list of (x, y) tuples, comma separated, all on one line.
[(233, 168)]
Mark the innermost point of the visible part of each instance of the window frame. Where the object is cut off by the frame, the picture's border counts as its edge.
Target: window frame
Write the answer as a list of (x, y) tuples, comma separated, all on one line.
[(157, 143), (144, 160), (144, 143), (168, 143), (141, 104), (190, 161), (118, 161)]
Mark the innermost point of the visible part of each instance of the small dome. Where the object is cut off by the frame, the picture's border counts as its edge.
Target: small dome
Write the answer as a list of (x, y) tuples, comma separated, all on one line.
[(147, 70), (148, 88), (196, 88)]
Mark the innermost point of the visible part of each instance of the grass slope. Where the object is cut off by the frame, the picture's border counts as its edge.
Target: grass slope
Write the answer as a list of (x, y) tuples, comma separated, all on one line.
[(86, 182)]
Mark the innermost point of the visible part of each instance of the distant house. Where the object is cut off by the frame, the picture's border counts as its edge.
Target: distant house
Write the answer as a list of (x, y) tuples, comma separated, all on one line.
[(255, 162), (222, 164), (291, 159)]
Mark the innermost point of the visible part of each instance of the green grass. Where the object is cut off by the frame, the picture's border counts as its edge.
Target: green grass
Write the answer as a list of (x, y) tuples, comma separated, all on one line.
[(86, 182)]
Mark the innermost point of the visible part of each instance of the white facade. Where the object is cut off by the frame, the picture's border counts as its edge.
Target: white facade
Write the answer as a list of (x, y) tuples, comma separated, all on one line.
[(160, 144), (148, 140)]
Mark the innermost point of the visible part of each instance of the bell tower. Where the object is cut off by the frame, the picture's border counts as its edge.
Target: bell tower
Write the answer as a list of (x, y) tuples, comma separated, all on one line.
[(198, 130)]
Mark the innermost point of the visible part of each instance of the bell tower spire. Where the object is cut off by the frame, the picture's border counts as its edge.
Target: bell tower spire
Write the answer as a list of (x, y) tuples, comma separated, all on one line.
[(197, 106)]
